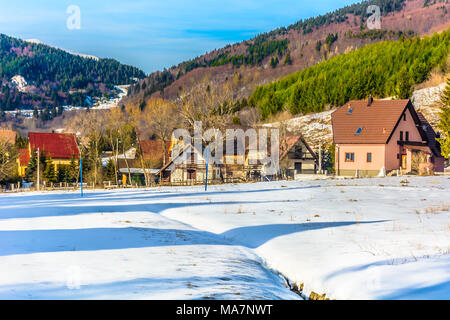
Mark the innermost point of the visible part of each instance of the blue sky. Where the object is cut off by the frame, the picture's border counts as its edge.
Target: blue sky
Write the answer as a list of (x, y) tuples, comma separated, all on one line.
[(153, 34)]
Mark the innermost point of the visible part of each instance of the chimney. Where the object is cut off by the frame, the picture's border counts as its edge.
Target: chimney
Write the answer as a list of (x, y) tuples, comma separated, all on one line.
[(370, 101)]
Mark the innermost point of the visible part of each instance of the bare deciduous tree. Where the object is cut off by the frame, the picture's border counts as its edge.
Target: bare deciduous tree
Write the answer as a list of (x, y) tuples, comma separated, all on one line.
[(162, 116), (8, 156)]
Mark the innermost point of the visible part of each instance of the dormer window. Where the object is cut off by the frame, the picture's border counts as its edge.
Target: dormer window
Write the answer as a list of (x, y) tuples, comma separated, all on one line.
[(358, 132)]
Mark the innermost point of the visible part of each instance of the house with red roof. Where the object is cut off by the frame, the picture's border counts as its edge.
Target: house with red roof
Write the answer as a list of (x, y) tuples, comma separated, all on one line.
[(22, 161), (378, 136), (61, 147)]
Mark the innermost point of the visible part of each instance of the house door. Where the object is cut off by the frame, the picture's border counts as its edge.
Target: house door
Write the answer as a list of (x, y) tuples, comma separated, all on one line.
[(404, 161), (191, 174), (298, 168)]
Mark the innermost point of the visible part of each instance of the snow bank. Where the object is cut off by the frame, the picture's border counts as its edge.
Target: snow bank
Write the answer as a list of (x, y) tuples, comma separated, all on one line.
[(380, 238)]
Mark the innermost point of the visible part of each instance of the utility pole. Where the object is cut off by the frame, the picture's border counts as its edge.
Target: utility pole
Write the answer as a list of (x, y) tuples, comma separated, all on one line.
[(38, 165), (207, 165), (320, 158), (81, 175)]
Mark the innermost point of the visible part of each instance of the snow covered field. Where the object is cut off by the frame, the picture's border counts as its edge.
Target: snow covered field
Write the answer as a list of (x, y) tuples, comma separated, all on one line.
[(350, 239)]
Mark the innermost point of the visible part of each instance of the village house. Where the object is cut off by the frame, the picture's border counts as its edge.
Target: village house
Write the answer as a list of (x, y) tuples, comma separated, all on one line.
[(297, 158), (187, 166), (375, 137), (238, 164), (132, 165), (60, 146)]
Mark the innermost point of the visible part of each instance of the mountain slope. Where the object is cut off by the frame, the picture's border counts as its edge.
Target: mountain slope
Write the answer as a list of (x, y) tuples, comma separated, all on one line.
[(273, 55), (49, 77), (383, 69), (37, 41)]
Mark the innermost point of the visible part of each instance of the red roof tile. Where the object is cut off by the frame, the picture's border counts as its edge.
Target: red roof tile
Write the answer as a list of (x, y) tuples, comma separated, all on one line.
[(58, 145), (377, 121)]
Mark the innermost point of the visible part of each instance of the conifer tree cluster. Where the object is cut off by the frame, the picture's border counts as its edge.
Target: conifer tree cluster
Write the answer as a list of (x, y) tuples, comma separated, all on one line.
[(444, 124)]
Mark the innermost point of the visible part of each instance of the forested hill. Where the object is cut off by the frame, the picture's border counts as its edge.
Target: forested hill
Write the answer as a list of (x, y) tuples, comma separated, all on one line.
[(55, 77), (278, 53), (385, 69)]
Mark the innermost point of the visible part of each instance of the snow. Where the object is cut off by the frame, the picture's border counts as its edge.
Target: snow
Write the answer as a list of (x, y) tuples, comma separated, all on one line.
[(379, 238), (117, 246), (316, 128)]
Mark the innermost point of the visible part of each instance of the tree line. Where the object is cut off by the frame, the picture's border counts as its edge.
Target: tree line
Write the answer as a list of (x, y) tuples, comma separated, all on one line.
[(384, 69), (54, 73)]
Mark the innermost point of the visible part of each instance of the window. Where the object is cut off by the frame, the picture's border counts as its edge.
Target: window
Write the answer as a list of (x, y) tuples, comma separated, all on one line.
[(349, 157), (401, 135), (407, 136), (404, 116), (369, 157), (350, 111), (358, 132)]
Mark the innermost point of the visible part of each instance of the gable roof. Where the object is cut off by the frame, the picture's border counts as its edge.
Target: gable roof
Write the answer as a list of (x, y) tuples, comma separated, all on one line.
[(8, 135), (291, 141), (376, 123), (58, 145)]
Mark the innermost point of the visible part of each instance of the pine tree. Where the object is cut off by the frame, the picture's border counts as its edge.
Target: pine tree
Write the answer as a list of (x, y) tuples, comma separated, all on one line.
[(288, 59), (72, 170), (404, 86), (30, 171), (444, 124), (111, 171), (274, 62), (62, 173), (50, 172), (446, 94)]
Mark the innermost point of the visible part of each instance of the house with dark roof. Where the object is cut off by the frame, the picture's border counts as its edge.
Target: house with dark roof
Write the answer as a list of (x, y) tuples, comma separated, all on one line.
[(60, 146), (297, 157), (378, 136)]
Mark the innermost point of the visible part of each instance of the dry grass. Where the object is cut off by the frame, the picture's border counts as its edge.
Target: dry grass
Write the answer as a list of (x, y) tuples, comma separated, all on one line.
[(434, 209), (436, 78)]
